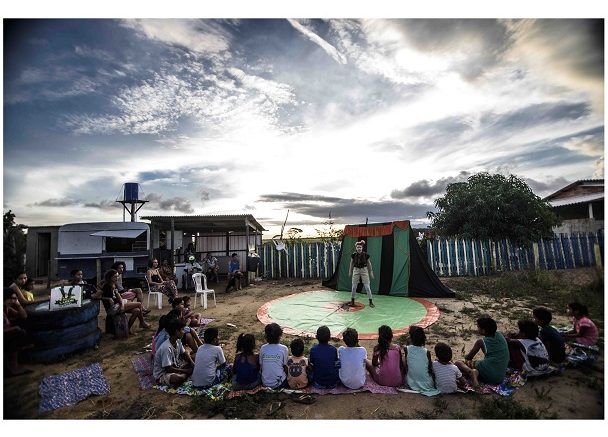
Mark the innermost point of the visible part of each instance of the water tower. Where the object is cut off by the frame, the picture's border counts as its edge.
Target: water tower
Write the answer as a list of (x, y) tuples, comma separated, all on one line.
[(130, 198)]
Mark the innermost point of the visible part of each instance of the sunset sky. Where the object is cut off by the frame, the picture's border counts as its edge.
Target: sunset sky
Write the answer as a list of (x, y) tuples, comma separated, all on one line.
[(363, 118)]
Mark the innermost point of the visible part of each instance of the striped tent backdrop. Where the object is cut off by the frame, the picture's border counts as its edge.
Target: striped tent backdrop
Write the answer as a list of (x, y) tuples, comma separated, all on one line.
[(465, 257)]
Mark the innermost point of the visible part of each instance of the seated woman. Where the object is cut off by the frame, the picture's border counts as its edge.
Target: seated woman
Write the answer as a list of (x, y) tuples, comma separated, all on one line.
[(167, 271), (18, 286), (115, 304), (15, 338), (129, 294), (158, 284), (211, 267)]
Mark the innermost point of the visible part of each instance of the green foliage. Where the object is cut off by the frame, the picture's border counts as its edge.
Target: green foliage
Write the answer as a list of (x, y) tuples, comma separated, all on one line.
[(329, 233), (495, 207), (14, 247)]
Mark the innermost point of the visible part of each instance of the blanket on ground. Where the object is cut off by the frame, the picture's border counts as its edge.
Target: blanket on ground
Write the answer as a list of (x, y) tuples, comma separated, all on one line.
[(69, 388), (143, 369)]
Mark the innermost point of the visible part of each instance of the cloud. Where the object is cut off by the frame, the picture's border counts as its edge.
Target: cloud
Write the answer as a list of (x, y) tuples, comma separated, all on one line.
[(567, 52), (297, 197), (591, 145), (58, 202), (177, 203), (103, 204), (598, 172), (201, 36), (426, 188), (533, 116), (312, 36), (347, 210)]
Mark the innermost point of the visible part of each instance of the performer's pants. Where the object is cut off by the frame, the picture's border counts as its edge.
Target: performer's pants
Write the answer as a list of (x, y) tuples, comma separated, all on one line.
[(361, 273)]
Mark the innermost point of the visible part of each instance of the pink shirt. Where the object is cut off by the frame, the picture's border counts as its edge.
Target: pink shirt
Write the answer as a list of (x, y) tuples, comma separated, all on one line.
[(388, 372), (586, 331)]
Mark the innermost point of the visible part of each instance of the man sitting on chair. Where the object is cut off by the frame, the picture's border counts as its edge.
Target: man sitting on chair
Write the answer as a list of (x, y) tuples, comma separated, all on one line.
[(234, 273), (192, 267)]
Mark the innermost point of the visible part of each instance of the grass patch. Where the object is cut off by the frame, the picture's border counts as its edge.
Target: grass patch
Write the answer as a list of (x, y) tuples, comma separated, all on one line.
[(506, 408)]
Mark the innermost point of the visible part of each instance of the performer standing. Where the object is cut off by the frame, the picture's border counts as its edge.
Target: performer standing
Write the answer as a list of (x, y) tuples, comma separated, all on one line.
[(361, 268)]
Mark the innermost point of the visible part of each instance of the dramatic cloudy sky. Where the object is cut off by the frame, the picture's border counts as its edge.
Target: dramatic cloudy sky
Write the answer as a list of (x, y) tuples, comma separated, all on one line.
[(361, 118)]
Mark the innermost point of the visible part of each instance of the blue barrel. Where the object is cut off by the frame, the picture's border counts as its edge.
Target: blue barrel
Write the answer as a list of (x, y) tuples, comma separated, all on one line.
[(131, 192)]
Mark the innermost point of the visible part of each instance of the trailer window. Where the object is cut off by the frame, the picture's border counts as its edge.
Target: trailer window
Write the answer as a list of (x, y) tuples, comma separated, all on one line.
[(127, 244)]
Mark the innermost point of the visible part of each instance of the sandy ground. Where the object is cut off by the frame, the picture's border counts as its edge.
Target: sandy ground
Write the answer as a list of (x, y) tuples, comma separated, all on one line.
[(576, 394)]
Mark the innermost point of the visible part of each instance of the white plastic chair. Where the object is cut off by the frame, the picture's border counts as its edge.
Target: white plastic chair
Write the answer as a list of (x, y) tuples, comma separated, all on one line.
[(159, 295), (199, 289)]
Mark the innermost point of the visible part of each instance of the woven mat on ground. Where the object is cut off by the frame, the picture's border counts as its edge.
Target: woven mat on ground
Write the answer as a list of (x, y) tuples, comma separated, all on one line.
[(69, 388), (143, 368)]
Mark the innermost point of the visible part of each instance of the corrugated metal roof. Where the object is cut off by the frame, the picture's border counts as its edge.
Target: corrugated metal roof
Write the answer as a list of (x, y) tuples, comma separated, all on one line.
[(584, 182), (577, 199), (205, 223)]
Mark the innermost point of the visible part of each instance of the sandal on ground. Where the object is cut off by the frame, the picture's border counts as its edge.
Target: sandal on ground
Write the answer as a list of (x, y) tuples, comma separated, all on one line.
[(146, 311), (304, 399), (274, 407)]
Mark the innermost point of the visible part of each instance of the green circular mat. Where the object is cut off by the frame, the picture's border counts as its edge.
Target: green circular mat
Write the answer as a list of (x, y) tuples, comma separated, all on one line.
[(302, 313)]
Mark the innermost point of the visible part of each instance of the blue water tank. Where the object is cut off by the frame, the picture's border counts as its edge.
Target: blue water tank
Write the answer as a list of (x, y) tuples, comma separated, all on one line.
[(131, 191)]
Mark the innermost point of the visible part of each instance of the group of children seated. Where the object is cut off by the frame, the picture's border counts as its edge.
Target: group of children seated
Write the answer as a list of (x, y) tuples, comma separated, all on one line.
[(532, 349)]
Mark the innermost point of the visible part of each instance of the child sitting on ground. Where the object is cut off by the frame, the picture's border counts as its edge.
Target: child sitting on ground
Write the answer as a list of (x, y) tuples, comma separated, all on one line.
[(191, 338), (192, 318), (447, 376), (551, 338), (273, 358), (246, 367), (418, 364), (387, 363), (583, 330), (353, 360), (172, 365), (297, 365), (493, 367), (527, 352), (210, 364), (323, 361)]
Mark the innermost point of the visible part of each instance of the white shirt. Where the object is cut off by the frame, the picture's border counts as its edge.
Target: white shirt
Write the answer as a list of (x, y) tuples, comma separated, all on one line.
[(272, 359), (352, 366), (167, 355), (208, 358), (446, 376)]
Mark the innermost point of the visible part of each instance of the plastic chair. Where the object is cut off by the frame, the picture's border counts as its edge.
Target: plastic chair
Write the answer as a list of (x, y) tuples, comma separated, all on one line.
[(199, 279), (159, 295)]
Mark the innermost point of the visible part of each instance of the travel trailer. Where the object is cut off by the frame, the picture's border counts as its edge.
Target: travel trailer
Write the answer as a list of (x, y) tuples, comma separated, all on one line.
[(81, 245)]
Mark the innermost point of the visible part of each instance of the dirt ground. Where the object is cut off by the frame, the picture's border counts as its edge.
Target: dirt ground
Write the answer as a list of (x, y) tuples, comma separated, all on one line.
[(576, 394)]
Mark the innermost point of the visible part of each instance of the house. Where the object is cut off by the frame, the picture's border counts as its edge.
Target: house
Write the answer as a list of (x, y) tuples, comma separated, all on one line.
[(580, 205), (41, 251)]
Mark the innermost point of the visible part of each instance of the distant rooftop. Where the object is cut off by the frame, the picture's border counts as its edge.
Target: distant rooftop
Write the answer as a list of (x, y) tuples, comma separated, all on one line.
[(579, 188)]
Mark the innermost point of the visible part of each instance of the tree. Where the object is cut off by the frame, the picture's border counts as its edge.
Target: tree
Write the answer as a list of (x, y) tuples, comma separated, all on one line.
[(493, 206), (14, 247), (329, 233)]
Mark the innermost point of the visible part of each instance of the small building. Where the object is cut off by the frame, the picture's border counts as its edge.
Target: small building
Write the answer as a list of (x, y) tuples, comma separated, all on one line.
[(580, 205), (41, 251), (221, 235)]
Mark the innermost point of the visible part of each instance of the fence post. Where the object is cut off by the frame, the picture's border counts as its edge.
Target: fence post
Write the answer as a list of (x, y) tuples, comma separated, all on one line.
[(493, 255), (98, 268), (598, 259), (536, 256)]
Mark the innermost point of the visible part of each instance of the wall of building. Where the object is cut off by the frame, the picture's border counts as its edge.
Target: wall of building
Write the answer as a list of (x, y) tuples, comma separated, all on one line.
[(32, 250), (574, 226)]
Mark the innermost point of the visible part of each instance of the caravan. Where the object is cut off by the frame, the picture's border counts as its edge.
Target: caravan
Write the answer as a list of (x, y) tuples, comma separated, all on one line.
[(85, 245)]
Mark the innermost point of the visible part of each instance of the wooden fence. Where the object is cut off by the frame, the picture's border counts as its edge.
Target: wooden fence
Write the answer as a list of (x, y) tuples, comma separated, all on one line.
[(447, 257), (464, 257), (301, 260)]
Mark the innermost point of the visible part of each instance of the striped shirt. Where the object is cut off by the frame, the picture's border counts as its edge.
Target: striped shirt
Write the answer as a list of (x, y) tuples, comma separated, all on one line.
[(446, 376)]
